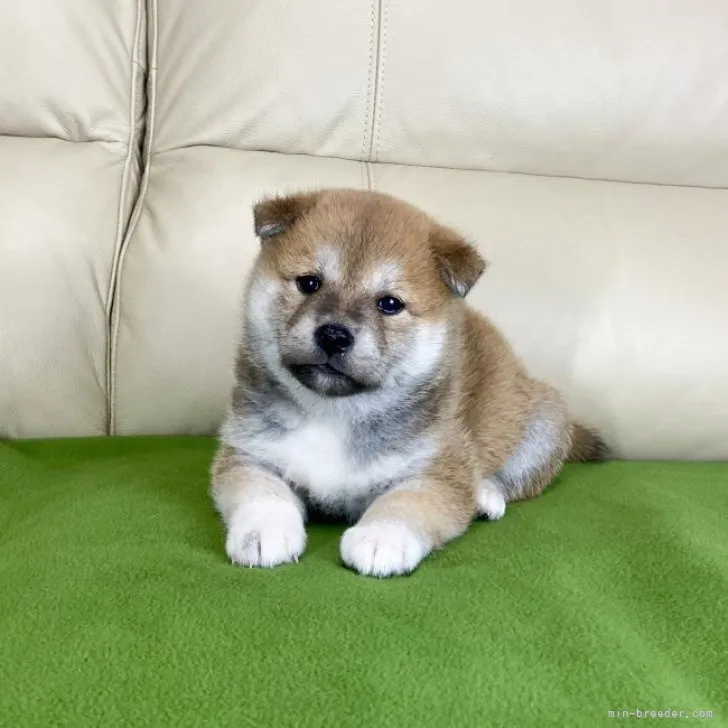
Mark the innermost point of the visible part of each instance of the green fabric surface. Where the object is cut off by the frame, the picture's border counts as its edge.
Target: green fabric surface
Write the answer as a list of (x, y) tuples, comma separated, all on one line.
[(118, 607)]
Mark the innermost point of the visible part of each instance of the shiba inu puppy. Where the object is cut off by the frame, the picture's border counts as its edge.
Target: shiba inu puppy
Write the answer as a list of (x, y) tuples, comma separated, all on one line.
[(366, 389)]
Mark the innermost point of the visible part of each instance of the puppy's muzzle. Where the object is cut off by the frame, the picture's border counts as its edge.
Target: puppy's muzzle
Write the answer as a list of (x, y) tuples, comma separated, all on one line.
[(333, 339)]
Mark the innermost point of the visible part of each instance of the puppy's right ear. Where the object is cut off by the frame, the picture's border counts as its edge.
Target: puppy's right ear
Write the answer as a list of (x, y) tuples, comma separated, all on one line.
[(275, 215)]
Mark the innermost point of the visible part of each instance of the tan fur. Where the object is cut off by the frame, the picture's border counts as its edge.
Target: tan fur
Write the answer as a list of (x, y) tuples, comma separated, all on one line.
[(492, 423)]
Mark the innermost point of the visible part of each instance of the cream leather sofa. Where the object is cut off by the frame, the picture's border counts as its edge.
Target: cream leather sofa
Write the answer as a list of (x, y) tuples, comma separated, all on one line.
[(583, 146)]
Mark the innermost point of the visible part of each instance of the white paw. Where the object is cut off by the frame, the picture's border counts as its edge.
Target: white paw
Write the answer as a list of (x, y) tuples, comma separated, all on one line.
[(491, 502), (266, 533), (383, 548)]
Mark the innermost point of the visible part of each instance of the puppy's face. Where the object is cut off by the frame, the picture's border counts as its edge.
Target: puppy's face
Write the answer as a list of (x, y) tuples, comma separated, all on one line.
[(354, 291)]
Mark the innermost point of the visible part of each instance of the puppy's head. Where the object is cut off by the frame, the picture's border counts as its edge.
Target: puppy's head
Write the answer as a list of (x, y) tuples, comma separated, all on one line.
[(355, 291)]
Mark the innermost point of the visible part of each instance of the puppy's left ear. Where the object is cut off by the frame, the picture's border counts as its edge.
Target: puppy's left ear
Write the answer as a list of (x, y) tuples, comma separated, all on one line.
[(274, 215), (461, 265)]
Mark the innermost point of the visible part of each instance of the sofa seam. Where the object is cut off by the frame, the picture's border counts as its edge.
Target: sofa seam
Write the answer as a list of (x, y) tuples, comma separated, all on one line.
[(55, 137), (122, 224), (443, 167), (115, 310), (133, 129), (379, 80), (369, 103)]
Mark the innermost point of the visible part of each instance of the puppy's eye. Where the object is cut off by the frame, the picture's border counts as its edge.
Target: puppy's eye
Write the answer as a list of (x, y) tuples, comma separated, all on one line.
[(308, 284), (389, 305)]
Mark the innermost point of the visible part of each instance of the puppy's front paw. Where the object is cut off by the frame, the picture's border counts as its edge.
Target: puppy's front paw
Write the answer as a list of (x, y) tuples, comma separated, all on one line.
[(383, 548), (266, 534)]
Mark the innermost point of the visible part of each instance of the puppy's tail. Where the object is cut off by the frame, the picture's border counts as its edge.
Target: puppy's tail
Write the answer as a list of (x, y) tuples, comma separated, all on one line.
[(586, 445)]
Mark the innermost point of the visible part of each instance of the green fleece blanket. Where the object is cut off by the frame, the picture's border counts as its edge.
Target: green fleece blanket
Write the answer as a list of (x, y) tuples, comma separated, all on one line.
[(118, 607)]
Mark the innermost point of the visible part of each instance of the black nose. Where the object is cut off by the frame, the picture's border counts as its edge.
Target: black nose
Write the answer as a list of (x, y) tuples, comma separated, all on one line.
[(333, 339)]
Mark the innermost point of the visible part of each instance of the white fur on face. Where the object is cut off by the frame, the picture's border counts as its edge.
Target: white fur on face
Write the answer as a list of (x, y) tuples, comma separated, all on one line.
[(329, 266), (423, 355), (384, 278), (261, 318), (420, 357), (366, 348), (383, 548)]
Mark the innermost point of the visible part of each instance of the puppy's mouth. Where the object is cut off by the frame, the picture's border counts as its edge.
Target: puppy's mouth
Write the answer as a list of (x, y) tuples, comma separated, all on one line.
[(327, 379)]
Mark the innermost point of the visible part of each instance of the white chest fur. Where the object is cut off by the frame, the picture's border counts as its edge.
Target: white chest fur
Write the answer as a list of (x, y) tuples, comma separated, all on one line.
[(318, 457)]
